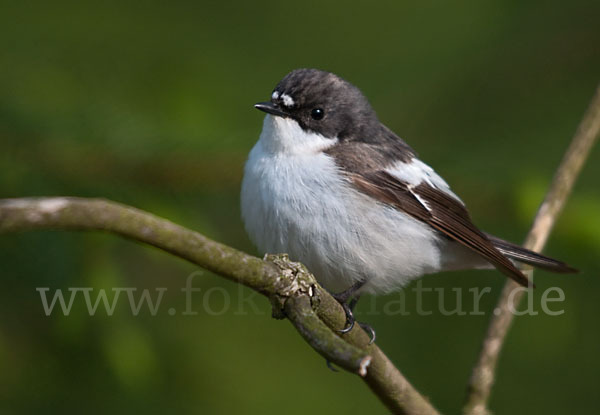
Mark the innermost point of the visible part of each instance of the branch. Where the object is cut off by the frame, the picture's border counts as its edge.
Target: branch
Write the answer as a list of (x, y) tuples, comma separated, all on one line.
[(292, 290), (482, 377)]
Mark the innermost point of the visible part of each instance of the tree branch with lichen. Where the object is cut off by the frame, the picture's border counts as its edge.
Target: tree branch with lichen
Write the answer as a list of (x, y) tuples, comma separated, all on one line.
[(292, 290)]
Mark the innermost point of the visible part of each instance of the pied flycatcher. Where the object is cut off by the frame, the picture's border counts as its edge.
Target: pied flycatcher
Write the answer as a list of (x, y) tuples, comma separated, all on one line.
[(337, 190)]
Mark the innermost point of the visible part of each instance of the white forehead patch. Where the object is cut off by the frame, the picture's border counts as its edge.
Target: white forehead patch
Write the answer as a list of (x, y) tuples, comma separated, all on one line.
[(275, 95), (288, 101)]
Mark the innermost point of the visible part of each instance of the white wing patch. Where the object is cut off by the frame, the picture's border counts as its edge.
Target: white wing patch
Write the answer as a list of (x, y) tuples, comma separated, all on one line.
[(416, 172), (422, 201)]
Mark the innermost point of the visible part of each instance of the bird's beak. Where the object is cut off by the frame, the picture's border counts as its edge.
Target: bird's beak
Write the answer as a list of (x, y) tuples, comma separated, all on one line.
[(271, 108)]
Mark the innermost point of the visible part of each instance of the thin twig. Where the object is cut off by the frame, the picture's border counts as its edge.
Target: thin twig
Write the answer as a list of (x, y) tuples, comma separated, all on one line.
[(293, 291), (482, 378)]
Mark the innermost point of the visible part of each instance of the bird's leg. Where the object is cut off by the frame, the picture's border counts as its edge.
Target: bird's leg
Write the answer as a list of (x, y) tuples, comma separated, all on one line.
[(348, 300), (366, 327), (347, 294)]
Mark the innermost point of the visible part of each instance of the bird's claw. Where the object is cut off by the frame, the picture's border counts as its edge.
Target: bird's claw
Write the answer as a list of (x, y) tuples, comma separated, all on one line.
[(349, 319), (348, 300), (370, 331)]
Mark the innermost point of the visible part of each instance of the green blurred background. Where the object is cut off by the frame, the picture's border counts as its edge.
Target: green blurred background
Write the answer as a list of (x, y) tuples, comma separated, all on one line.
[(150, 104)]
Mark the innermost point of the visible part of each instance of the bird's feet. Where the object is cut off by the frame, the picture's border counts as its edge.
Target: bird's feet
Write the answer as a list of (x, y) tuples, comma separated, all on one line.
[(350, 320), (348, 300)]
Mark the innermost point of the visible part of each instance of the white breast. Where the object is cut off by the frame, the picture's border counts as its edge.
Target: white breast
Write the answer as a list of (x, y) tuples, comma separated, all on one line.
[(295, 201)]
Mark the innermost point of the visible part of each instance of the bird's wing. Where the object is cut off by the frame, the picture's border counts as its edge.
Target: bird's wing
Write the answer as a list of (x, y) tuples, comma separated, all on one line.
[(439, 208)]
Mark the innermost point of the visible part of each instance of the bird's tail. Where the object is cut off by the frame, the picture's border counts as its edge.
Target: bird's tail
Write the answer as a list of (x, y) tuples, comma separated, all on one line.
[(526, 256)]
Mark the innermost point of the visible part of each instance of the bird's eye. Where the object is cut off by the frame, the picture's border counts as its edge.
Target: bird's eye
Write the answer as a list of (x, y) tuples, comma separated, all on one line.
[(317, 114)]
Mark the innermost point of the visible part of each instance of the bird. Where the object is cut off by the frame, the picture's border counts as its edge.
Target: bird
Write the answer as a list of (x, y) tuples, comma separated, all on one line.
[(334, 188)]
